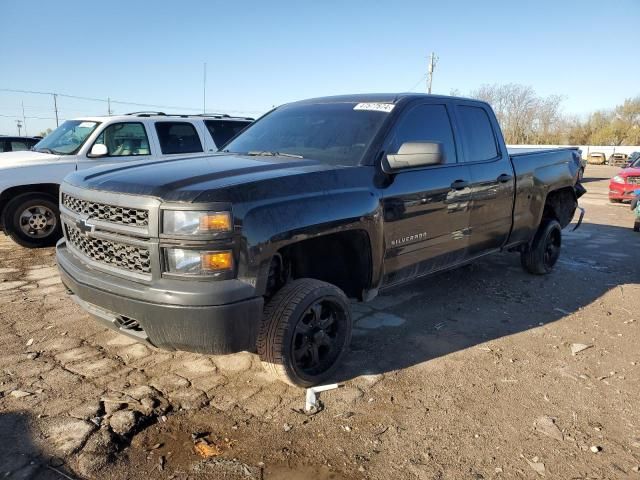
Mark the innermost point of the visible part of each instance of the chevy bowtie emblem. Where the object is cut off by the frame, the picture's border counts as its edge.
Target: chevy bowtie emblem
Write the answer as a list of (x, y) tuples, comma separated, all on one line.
[(84, 226)]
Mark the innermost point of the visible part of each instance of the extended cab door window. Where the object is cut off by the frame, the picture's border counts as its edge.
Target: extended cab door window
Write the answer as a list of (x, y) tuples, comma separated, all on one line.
[(178, 137), (124, 140), (478, 137)]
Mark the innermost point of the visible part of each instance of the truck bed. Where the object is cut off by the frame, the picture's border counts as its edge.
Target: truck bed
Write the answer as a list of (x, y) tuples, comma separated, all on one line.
[(538, 172)]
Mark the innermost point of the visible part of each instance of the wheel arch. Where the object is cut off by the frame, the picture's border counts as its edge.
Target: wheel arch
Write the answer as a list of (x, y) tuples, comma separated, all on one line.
[(9, 194), (561, 205), (342, 258)]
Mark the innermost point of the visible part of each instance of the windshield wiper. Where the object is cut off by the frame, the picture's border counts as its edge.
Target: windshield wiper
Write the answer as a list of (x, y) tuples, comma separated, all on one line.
[(45, 150), (259, 153)]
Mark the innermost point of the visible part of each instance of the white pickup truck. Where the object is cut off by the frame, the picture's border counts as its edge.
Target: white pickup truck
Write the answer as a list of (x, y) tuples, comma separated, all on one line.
[(29, 180)]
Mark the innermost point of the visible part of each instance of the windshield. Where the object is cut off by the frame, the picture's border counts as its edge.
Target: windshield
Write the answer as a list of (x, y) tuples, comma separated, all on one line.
[(67, 138), (636, 164), (333, 133)]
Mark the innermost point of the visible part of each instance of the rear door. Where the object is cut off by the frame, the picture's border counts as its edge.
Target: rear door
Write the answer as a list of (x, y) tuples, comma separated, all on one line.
[(426, 210), (492, 177)]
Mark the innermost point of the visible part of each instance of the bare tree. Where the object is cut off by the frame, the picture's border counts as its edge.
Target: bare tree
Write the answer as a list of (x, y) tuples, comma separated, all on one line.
[(524, 116)]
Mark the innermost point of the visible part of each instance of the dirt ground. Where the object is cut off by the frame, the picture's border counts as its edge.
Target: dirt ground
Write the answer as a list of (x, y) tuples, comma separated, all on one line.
[(466, 375)]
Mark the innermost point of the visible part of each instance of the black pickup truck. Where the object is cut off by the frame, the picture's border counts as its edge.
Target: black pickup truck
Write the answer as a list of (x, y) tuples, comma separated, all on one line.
[(259, 246)]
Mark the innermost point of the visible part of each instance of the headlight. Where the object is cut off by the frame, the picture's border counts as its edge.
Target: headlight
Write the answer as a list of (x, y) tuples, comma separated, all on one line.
[(197, 262), (618, 179), (185, 222)]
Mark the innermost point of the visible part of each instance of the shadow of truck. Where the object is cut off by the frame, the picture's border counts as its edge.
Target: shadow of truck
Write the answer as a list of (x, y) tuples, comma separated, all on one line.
[(487, 300)]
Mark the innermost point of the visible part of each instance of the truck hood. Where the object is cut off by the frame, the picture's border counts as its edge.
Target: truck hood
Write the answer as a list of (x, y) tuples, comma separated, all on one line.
[(630, 172), (185, 179), (27, 157)]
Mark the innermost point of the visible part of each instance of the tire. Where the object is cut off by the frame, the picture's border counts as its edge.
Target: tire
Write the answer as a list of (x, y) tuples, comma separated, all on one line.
[(636, 226), (581, 174), (32, 220), (544, 252), (295, 333)]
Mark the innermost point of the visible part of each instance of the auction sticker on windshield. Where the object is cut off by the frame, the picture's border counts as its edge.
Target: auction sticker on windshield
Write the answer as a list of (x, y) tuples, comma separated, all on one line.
[(376, 107)]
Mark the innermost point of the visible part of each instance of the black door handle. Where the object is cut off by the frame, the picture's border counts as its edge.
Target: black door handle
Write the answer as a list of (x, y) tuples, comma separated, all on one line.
[(504, 178), (459, 184)]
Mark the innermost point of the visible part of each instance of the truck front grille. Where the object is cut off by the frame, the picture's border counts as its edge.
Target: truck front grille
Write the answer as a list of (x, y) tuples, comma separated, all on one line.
[(633, 180), (135, 217), (120, 255)]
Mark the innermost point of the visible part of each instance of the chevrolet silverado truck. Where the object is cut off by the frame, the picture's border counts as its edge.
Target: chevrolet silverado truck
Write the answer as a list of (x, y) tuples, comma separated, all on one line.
[(30, 180), (260, 247)]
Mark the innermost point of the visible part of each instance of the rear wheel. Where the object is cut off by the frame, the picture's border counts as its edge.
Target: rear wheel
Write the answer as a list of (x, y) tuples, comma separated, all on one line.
[(305, 332), (544, 252), (33, 220)]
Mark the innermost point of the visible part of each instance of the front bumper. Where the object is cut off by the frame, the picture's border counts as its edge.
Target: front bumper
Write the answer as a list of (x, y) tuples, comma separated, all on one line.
[(175, 318), (622, 191)]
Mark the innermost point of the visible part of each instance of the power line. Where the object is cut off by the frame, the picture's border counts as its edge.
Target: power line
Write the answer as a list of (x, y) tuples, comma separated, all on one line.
[(34, 118), (120, 102), (422, 78)]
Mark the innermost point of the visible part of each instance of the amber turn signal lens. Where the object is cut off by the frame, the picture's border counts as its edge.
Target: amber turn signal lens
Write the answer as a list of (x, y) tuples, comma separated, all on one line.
[(216, 261), (215, 222)]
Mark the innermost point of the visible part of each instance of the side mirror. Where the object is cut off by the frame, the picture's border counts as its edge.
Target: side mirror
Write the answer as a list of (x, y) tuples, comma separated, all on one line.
[(416, 154), (99, 150)]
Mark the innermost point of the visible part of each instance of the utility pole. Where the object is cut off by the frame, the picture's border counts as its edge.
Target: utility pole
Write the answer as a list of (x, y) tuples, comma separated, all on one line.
[(55, 107), (433, 60), (24, 119), (109, 112), (19, 124), (204, 89)]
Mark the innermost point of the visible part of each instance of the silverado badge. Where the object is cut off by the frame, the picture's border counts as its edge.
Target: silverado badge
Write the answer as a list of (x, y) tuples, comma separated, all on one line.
[(409, 239)]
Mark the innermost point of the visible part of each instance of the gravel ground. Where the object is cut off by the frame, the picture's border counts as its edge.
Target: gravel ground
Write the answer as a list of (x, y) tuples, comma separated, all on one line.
[(483, 372)]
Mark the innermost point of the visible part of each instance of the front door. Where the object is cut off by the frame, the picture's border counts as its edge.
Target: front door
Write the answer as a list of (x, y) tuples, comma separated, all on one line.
[(125, 141), (426, 210)]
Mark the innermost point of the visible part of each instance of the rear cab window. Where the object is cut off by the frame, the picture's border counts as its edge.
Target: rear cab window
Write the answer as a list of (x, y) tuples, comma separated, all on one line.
[(224, 130), (477, 134), (18, 146), (178, 137)]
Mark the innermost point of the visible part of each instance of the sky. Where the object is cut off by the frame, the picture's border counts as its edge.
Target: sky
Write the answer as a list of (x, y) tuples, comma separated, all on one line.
[(264, 53)]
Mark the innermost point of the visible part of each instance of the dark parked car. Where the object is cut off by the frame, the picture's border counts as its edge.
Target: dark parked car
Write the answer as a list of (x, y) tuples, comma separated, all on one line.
[(633, 160), (17, 144), (258, 247)]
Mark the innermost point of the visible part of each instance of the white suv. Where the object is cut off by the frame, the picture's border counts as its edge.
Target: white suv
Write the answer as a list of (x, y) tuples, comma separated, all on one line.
[(29, 180)]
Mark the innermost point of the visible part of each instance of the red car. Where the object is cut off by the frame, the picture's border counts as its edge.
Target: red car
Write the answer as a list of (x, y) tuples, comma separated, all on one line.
[(622, 186)]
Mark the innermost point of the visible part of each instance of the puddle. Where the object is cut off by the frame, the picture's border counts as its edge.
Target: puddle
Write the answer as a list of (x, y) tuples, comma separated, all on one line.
[(379, 320), (300, 473), (574, 264)]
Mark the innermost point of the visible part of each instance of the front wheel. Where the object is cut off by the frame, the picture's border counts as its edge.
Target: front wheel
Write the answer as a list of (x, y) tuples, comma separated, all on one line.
[(544, 252), (33, 220), (305, 332)]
